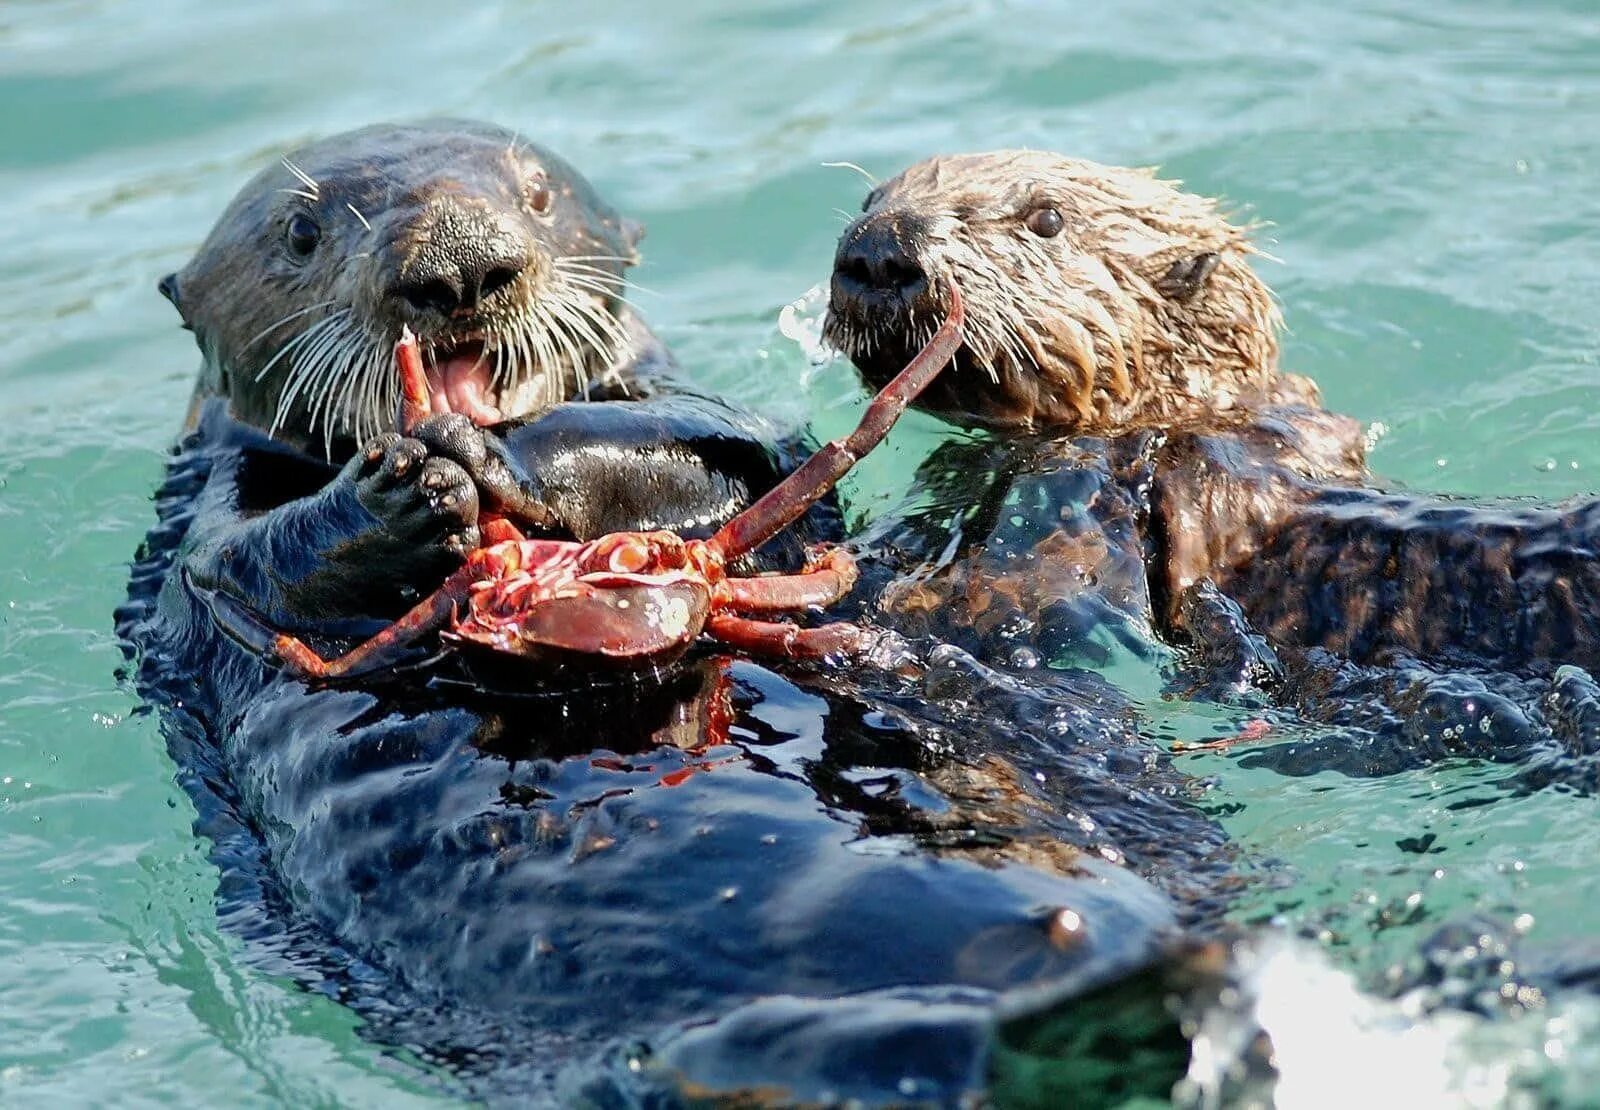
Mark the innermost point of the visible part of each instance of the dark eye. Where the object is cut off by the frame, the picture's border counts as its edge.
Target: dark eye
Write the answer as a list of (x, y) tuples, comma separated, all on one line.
[(1046, 223), (539, 197), (302, 235)]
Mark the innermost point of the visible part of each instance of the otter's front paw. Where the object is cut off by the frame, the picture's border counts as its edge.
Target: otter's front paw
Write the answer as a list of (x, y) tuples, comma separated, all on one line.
[(503, 486), (419, 497)]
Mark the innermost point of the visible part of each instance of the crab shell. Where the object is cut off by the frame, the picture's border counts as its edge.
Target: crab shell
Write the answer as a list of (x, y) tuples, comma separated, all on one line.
[(613, 602)]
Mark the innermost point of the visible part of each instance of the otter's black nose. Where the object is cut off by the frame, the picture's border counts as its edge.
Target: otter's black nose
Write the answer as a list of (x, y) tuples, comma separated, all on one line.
[(878, 256), (461, 260)]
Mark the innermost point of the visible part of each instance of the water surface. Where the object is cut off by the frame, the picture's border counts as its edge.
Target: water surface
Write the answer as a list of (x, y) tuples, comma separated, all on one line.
[(1428, 174)]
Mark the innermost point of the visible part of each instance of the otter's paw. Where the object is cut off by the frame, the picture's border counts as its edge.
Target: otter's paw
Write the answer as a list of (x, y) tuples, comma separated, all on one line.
[(420, 498), (502, 485)]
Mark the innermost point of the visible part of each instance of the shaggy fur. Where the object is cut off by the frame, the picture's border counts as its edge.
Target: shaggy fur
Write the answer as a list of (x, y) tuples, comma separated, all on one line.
[(1142, 309)]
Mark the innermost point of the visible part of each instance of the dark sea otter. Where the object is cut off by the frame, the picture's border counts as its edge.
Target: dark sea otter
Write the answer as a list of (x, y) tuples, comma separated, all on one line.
[(1160, 469), (509, 268), (714, 878)]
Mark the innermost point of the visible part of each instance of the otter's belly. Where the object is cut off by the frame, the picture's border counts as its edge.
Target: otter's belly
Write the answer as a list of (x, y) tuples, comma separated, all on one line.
[(518, 885)]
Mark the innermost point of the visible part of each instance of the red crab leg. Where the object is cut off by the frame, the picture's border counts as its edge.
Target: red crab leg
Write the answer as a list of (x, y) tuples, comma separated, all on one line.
[(386, 648), (790, 498), (416, 401), (790, 640), (822, 583)]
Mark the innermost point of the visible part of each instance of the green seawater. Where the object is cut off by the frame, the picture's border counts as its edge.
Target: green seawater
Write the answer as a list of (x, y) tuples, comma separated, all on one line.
[(1430, 172)]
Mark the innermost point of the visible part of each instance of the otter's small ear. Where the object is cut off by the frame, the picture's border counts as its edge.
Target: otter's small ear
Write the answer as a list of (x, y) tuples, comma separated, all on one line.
[(169, 289), (632, 232), (1185, 277)]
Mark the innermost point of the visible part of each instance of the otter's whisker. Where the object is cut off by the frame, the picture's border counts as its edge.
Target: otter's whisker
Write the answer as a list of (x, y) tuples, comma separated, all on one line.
[(305, 179), (587, 268), (569, 348), (341, 361), (536, 329), (370, 415), (323, 381), (305, 368), (601, 293), (319, 377), (300, 338), (595, 282), (568, 268), (282, 320), (593, 258), (581, 325)]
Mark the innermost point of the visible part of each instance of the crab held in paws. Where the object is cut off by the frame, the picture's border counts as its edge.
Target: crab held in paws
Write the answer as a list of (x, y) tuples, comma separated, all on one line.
[(635, 599)]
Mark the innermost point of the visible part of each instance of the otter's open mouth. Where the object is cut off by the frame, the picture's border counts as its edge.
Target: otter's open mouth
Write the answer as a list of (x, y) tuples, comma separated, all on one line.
[(461, 379)]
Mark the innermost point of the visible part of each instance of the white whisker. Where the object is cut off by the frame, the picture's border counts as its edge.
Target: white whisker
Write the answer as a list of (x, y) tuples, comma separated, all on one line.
[(305, 179), (282, 320), (873, 181)]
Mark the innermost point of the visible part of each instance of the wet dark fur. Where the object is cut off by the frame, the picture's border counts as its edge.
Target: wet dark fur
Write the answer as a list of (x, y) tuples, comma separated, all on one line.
[(522, 884), (1196, 466), (523, 879)]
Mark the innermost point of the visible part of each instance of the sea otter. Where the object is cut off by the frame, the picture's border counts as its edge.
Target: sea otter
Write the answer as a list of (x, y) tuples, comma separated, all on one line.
[(717, 875), (1119, 317), (509, 268)]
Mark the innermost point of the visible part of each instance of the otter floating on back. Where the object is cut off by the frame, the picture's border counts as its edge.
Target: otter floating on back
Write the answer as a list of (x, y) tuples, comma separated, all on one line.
[(527, 883)]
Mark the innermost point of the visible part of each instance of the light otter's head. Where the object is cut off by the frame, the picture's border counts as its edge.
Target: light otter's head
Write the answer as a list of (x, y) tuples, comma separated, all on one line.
[(495, 252), (1096, 296)]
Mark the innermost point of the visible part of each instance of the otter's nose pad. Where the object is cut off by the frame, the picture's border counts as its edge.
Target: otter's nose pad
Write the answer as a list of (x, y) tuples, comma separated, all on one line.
[(461, 261), (878, 258)]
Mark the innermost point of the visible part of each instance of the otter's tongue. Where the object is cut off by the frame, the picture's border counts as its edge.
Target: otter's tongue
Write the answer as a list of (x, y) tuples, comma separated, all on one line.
[(460, 383)]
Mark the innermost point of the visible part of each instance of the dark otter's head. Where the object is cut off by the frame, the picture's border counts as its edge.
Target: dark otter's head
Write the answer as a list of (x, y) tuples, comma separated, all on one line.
[(1096, 296), (496, 253)]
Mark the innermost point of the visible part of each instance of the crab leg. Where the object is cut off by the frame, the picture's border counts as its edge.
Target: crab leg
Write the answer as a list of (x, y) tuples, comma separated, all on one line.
[(821, 583), (416, 402), (790, 498), (790, 640), (387, 647)]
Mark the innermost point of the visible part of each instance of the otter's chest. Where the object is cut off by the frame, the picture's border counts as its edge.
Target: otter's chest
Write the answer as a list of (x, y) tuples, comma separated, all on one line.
[(1028, 552)]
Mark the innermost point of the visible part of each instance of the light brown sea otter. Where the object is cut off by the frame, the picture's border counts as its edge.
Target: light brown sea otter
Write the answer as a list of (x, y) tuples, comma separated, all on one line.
[(1108, 305), (1101, 297)]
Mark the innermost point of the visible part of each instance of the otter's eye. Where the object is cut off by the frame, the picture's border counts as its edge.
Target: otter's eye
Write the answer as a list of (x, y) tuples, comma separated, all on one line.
[(1046, 223), (302, 235), (539, 197)]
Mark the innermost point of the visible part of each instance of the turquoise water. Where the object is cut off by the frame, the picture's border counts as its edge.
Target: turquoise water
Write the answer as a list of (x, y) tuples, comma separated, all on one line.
[(1428, 171)]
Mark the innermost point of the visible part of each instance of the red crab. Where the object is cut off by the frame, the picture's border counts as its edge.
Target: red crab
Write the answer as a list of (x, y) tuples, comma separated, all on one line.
[(632, 599)]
